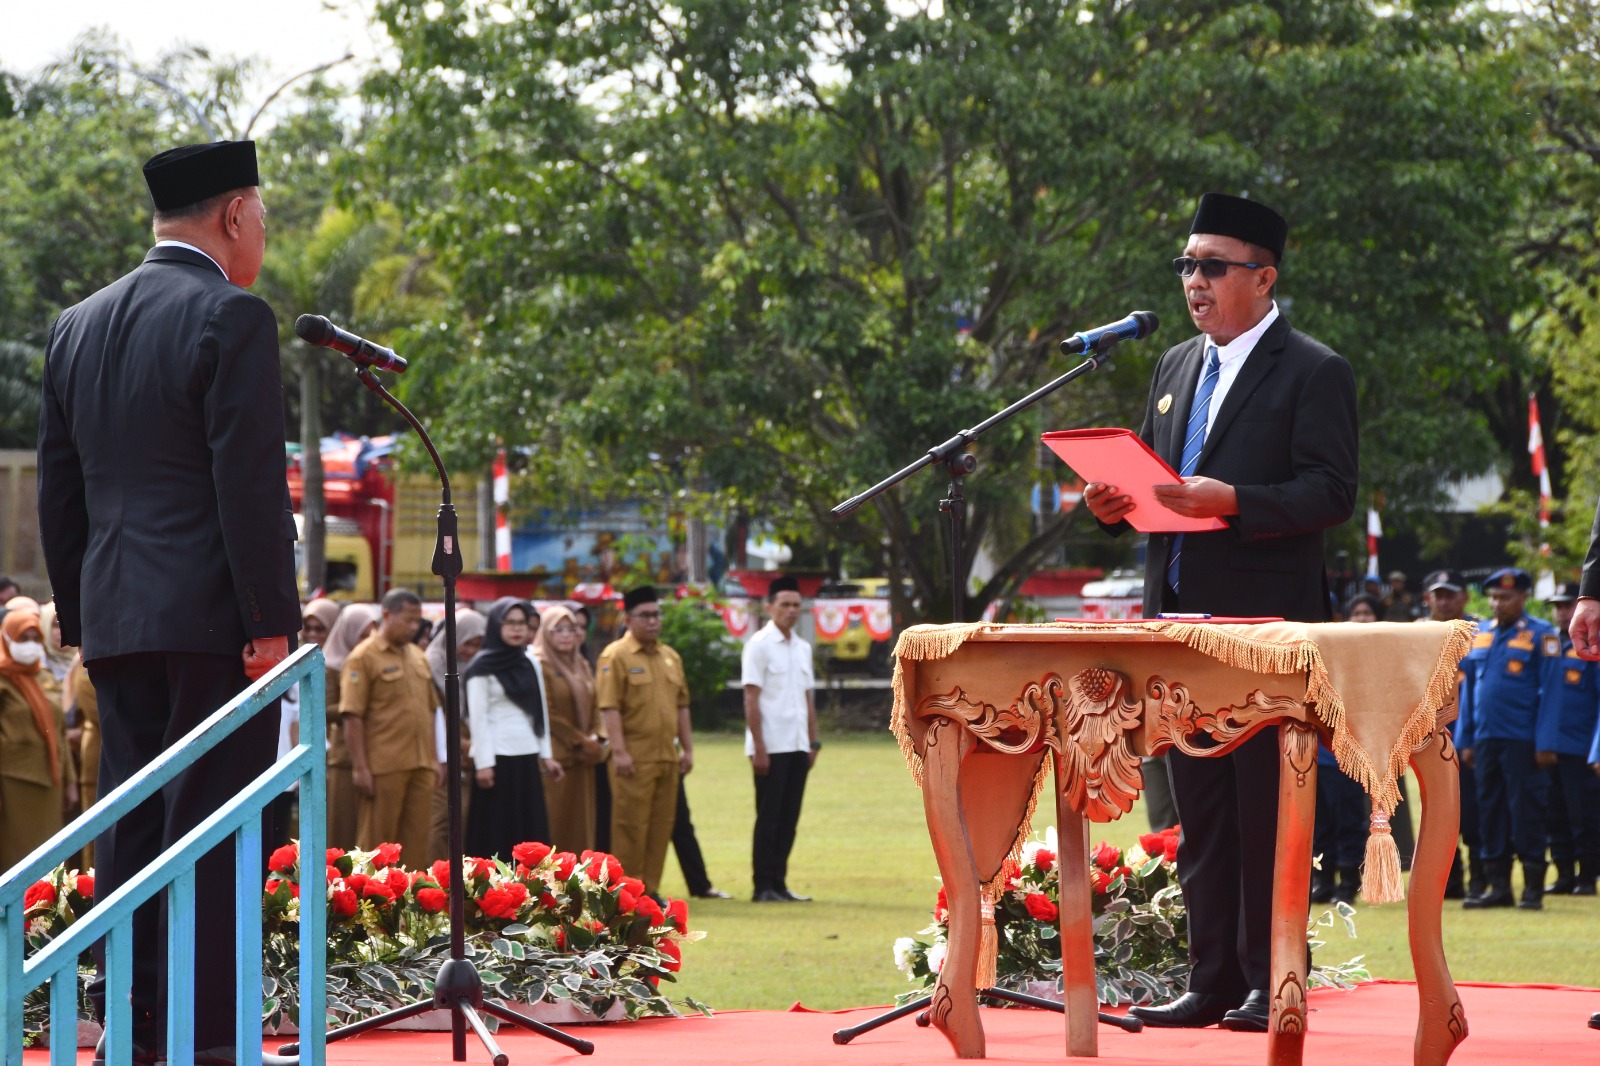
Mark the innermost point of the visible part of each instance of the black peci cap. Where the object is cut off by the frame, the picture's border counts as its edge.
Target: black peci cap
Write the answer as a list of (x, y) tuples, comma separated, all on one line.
[(1245, 220), (189, 174), (639, 596)]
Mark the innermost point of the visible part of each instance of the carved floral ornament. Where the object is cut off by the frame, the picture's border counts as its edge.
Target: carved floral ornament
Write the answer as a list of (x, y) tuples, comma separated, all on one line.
[(1090, 722)]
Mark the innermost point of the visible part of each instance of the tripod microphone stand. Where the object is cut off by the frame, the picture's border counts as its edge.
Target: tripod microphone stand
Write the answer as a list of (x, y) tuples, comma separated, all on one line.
[(458, 988), (958, 463)]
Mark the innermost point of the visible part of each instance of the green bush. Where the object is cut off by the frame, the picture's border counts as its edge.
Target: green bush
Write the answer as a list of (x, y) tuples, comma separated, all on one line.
[(696, 632)]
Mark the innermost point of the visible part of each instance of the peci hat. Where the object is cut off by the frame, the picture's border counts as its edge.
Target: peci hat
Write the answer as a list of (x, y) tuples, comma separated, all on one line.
[(1566, 592), (1245, 220), (191, 173), (637, 597), (782, 584), (1451, 580), (1510, 577)]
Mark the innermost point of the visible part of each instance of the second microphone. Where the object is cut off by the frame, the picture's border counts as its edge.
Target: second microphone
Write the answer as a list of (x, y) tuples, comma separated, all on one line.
[(317, 330)]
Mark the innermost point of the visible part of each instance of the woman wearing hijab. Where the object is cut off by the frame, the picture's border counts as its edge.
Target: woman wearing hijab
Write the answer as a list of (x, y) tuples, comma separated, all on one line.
[(505, 700), (574, 731), (36, 778), (355, 623), (469, 638)]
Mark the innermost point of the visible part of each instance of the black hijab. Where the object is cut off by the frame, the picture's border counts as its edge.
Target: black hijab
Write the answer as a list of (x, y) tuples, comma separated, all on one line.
[(511, 665)]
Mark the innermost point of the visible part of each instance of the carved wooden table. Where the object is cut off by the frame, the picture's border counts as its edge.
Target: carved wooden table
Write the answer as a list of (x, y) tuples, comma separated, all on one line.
[(978, 708)]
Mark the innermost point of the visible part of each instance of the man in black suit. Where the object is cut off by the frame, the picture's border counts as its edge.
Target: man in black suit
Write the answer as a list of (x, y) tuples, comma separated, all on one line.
[(1584, 629), (168, 536), (1260, 421)]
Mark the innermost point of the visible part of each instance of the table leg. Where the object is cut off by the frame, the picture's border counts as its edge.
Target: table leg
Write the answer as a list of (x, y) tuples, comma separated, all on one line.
[(1441, 1023), (1080, 991), (955, 999), (1291, 891)]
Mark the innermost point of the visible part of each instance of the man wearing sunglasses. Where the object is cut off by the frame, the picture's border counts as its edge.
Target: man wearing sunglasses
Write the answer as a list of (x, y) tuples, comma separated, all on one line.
[(1260, 422)]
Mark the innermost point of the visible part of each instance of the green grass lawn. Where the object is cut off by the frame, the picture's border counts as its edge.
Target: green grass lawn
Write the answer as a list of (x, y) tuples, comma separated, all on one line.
[(863, 852)]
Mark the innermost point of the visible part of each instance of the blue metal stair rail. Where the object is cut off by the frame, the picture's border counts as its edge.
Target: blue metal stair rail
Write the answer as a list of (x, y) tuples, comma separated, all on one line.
[(174, 872)]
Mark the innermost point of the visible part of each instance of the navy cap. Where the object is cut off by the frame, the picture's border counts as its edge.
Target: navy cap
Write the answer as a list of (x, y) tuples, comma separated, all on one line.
[(1566, 592), (1510, 578), (1453, 580)]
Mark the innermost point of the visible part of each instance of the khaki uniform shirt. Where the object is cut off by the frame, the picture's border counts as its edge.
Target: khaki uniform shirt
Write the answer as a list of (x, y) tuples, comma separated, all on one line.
[(390, 688), (647, 688), (24, 755)]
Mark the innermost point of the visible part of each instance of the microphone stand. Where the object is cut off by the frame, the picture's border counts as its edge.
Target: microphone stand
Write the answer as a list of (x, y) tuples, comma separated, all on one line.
[(458, 988), (959, 463)]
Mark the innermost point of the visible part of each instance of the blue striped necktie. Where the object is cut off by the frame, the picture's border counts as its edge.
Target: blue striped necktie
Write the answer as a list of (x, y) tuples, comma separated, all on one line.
[(1194, 441)]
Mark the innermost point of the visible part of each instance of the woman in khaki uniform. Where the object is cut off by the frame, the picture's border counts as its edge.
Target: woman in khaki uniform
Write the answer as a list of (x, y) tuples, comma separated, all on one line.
[(574, 729), (36, 779), (355, 623)]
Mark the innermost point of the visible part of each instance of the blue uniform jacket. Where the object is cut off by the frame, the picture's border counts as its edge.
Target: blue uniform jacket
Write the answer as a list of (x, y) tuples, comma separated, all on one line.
[(1503, 672), (1570, 703)]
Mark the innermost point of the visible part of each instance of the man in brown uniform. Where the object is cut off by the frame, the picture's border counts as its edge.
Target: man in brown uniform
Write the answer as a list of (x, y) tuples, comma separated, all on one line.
[(386, 707), (644, 703)]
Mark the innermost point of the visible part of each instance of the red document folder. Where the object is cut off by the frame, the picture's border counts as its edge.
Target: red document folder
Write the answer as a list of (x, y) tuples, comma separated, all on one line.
[(1118, 457)]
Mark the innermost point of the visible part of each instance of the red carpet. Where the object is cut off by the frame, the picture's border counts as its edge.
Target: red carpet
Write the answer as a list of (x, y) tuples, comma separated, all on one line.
[(1371, 1026)]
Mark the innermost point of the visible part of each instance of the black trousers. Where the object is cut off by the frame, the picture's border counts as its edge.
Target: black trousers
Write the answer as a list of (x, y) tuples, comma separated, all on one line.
[(1340, 836), (687, 848), (147, 703), (1228, 806), (1574, 823), (779, 793), (1512, 795)]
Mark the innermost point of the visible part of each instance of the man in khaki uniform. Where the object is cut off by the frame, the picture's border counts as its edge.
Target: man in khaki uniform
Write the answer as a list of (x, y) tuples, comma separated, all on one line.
[(644, 703), (386, 707)]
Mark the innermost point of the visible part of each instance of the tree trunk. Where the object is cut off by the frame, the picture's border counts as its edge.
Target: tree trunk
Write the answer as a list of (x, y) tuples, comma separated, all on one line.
[(486, 553)]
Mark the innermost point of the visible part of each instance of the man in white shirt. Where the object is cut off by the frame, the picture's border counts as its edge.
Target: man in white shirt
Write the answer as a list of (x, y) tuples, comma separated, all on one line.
[(780, 737)]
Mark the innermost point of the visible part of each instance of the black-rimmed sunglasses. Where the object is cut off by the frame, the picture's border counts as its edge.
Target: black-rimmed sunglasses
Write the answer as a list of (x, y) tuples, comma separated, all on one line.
[(1211, 268)]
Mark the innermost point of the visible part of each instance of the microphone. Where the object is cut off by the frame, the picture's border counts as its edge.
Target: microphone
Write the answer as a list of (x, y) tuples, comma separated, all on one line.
[(317, 330), (1135, 327)]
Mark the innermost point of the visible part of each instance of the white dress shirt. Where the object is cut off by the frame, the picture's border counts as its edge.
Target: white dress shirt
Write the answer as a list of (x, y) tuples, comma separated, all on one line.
[(499, 726), (180, 244), (1230, 360), (781, 668)]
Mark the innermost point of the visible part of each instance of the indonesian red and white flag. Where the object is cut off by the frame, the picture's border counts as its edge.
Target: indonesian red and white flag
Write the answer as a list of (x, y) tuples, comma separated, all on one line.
[(502, 496), (1546, 584), (1374, 534)]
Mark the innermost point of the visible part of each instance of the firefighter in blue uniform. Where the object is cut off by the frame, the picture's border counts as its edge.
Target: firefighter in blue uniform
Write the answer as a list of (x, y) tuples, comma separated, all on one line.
[(1444, 592), (1497, 738), (1571, 695)]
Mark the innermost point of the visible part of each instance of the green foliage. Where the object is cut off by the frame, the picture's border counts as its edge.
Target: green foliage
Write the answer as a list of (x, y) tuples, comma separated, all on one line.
[(696, 632), (705, 244)]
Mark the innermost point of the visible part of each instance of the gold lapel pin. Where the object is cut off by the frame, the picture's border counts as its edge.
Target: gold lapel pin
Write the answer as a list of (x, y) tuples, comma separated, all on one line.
[(1164, 404)]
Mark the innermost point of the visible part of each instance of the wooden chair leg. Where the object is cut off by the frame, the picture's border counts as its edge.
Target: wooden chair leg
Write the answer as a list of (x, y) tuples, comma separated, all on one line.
[(955, 998), (1080, 991), (1441, 1023), (1291, 890)]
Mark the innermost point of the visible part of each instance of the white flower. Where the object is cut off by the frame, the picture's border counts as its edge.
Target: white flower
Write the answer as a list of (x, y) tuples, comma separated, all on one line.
[(1031, 848), (1135, 857), (936, 956), (903, 949)]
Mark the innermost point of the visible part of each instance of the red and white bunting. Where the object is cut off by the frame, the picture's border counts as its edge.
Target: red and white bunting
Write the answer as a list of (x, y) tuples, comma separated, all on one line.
[(502, 496), (833, 617)]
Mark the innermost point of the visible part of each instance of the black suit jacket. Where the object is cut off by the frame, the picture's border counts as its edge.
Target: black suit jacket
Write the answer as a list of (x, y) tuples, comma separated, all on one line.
[(163, 505), (1286, 440)]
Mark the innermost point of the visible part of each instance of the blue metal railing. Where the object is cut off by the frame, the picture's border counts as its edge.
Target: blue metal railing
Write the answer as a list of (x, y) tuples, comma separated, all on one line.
[(174, 872)]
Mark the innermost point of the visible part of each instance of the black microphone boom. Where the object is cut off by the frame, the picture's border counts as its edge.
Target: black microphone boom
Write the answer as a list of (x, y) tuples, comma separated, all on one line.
[(317, 330), (1135, 327)]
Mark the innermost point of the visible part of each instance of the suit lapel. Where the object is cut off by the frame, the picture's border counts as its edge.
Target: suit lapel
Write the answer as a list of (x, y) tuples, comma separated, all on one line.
[(1261, 361), (1180, 385)]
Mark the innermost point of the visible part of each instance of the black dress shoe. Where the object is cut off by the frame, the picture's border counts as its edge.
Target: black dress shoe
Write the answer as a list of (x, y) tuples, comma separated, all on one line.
[(1251, 1016), (228, 1055), (1594, 1021), (1192, 1010), (711, 893), (769, 895), (793, 897)]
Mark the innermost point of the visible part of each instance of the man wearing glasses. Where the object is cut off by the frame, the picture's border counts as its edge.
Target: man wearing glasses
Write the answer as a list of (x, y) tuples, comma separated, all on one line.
[(1260, 422)]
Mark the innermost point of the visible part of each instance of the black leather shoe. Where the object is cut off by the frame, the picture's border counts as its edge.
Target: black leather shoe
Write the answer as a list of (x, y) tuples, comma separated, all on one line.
[(229, 1056), (711, 893), (769, 895), (1583, 888), (1192, 1010), (1252, 1016), (1594, 1021), (793, 897)]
